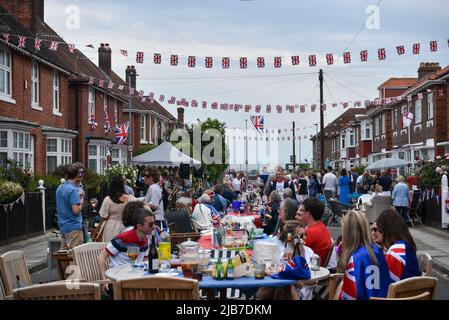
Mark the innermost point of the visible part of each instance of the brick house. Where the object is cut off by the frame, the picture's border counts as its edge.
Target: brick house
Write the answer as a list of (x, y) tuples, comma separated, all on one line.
[(46, 99)]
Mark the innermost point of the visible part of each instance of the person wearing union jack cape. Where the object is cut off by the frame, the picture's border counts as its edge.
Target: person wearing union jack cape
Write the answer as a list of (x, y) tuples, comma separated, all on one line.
[(362, 262), (401, 248)]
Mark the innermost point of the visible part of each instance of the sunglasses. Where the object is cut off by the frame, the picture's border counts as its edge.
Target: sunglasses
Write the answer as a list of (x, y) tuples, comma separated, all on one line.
[(146, 176), (374, 229)]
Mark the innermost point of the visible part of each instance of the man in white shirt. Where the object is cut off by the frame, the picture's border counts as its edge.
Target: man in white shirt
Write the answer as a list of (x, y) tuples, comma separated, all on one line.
[(330, 182), (154, 195)]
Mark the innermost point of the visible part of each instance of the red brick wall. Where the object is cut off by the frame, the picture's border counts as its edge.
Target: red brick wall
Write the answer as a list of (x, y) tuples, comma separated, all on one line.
[(365, 148)]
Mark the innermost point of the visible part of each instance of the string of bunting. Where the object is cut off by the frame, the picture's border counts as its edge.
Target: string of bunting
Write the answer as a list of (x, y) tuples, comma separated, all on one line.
[(9, 206), (228, 62)]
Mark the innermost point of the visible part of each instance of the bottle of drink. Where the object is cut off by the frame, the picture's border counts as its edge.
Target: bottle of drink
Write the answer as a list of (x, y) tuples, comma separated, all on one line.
[(153, 260), (252, 237), (229, 273), (219, 272), (165, 246), (289, 246)]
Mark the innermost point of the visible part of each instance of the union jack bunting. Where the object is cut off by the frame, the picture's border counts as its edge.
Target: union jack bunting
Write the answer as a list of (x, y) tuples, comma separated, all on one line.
[(364, 55), (243, 63), (277, 62), (92, 124), (357, 103), (139, 57), (279, 109), (91, 80), (330, 58), (334, 105), (261, 62), (347, 57), (141, 93), (107, 124), (324, 106), (367, 103), (313, 107), (420, 96), (131, 91), (225, 63), (101, 83), (22, 40), (6, 37), (312, 60), (433, 46), (204, 104), (209, 62), (194, 104), (172, 100), (345, 104), (37, 43), (121, 87), (396, 260), (248, 107), (416, 48), (161, 98), (174, 60), (54, 46), (121, 133), (191, 62), (72, 48), (295, 60), (302, 108), (400, 50), (258, 108), (124, 53), (157, 58), (110, 85), (214, 105), (381, 54), (268, 108)]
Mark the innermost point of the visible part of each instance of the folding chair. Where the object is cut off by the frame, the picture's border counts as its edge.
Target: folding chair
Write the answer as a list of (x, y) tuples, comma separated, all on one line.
[(413, 208), (338, 210)]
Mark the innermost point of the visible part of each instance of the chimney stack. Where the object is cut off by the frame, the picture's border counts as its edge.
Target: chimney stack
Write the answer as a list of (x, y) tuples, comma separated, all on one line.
[(104, 58), (131, 75), (30, 13), (181, 116), (427, 68)]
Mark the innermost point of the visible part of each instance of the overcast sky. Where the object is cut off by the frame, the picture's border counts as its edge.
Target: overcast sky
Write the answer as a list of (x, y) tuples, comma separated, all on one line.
[(256, 28)]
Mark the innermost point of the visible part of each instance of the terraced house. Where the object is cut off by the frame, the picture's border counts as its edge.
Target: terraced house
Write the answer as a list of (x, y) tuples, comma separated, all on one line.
[(46, 101)]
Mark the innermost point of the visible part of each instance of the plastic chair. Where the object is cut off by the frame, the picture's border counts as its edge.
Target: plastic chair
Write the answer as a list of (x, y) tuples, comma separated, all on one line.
[(425, 263), (2, 289), (59, 291), (13, 269)]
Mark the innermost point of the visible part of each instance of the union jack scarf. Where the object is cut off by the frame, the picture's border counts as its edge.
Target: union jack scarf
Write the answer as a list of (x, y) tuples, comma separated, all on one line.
[(402, 261)]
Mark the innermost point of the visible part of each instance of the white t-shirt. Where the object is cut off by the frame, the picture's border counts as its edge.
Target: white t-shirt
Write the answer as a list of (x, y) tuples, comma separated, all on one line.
[(360, 179), (202, 216), (236, 184), (280, 188), (154, 195), (330, 181)]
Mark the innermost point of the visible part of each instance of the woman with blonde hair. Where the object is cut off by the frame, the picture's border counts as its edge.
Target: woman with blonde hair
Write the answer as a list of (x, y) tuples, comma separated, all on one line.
[(365, 269)]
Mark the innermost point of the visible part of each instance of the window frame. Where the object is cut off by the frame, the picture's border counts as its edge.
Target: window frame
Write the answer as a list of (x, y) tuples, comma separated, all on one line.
[(7, 77), (430, 106), (35, 84), (143, 128), (418, 102)]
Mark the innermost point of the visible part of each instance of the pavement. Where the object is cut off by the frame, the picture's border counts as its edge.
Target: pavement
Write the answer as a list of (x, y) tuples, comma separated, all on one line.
[(431, 240)]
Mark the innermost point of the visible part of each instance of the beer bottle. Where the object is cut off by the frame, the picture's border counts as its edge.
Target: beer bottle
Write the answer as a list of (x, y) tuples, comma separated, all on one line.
[(219, 272), (229, 274), (153, 260)]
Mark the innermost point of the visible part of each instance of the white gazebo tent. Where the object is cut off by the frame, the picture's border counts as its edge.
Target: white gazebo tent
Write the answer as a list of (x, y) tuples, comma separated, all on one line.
[(165, 155)]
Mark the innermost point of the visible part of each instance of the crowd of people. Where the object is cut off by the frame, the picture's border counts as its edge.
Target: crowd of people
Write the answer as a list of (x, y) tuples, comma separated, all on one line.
[(370, 256)]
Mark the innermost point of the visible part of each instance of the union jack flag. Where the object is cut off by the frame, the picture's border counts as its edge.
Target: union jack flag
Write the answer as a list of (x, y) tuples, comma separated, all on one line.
[(139, 57), (110, 85), (257, 108), (349, 289), (400, 50), (191, 62), (91, 121), (364, 55), (174, 60), (54, 46), (101, 83), (161, 98), (330, 58), (209, 62), (37, 43), (124, 53), (131, 91), (243, 63), (381, 54), (261, 62), (313, 107), (302, 108), (121, 133), (268, 109), (194, 104), (204, 104), (367, 103), (334, 105), (6, 37), (121, 87), (72, 48), (91, 80), (157, 58), (214, 105), (312, 60), (416, 48), (22, 40), (279, 108), (172, 100), (277, 62), (295, 60), (324, 106), (433, 46), (107, 124), (345, 104), (396, 259), (347, 57), (225, 63), (357, 103)]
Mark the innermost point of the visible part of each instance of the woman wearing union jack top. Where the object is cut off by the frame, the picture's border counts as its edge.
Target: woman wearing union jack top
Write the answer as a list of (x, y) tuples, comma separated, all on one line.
[(363, 262), (401, 248)]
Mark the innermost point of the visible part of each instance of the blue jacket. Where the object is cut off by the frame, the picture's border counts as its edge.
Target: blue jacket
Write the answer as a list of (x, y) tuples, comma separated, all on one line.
[(400, 195)]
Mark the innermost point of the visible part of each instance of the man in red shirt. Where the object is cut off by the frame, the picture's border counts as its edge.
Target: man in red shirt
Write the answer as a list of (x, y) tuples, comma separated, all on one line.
[(317, 237)]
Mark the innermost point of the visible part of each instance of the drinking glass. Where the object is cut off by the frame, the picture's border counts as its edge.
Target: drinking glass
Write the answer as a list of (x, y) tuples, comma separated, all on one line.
[(259, 270), (315, 264), (133, 253)]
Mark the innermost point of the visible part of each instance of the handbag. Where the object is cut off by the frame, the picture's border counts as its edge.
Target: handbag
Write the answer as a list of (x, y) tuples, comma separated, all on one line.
[(97, 234)]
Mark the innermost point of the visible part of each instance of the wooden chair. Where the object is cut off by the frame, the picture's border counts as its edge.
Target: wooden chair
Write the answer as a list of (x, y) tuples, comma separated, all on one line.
[(157, 288), (422, 296), (2, 289), (425, 264), (59, 291), (13, 268), (85, 258), (412, 287)]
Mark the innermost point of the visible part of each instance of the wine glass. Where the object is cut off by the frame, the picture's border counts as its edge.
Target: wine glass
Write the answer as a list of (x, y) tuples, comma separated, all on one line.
[(315, 264), (133, 253)]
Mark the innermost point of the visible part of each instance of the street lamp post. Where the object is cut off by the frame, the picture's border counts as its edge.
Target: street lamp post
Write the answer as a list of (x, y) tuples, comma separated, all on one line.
[(130, 142)]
